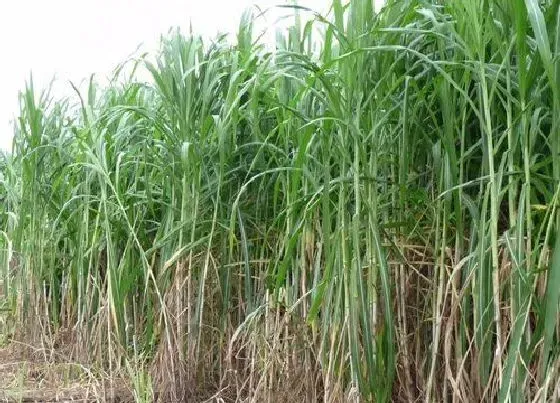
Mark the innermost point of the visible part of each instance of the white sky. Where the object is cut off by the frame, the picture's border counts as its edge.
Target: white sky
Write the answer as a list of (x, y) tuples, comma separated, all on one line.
[(71, 39)]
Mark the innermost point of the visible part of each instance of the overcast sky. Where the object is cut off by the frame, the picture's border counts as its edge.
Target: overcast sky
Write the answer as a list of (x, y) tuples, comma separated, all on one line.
[(71, 39)]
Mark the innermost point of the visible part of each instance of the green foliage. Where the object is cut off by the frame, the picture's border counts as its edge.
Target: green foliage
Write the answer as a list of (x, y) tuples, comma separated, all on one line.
[(381, 187)]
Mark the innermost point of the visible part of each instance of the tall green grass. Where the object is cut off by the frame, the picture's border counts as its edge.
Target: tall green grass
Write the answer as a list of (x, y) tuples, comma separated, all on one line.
[(366, 213)]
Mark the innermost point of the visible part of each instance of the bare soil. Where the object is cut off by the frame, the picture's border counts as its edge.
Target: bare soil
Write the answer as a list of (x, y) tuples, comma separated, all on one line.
[(27, 378)]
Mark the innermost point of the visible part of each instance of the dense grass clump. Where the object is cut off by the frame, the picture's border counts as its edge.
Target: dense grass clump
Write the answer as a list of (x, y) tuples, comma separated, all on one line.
[(368, 213)]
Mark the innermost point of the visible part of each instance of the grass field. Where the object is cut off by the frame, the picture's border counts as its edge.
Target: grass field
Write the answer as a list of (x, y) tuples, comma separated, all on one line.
[(366, 211)]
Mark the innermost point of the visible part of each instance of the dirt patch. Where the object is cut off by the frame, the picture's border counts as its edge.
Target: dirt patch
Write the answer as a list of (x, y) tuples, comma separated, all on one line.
[(24, 378)]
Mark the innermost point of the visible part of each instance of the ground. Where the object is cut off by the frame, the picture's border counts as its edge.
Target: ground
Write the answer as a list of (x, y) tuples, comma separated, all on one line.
[(32, 373), (26, 377)]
